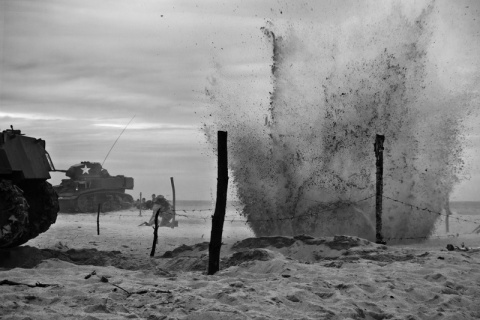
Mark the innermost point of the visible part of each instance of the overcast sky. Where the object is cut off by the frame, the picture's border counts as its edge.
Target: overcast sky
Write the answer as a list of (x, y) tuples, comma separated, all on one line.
[(75, 72)]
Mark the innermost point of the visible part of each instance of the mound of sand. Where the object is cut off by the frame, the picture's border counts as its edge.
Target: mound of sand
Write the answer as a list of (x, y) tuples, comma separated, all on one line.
[(336, 278), (111, 276), (302, 248)]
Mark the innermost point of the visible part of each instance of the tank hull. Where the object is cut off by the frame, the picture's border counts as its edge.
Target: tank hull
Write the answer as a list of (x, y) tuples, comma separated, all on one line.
[(87, 202), (90, 186), (28, 203)]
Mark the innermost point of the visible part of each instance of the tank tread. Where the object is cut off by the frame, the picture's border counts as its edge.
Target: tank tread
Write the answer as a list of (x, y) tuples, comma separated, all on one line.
[(13, 214), (110, 200), (43, 208)]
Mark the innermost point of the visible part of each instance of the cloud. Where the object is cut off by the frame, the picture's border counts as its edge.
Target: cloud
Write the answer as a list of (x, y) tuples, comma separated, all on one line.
[(75, 72), (31, 116), (150, 126)]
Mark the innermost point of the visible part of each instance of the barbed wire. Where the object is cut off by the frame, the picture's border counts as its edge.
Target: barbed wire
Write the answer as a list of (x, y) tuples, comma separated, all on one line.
[(428, 210), (279, 219), (193, 210), (212, 209), (328, 209), (343, 204), (430, 237), (227, 217), (331, 208)]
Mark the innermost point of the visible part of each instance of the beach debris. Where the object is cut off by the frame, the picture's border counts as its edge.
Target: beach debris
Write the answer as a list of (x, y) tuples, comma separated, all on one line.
[(90, 274), (476, 230), (105, 280), (451, 247), (37, 284)]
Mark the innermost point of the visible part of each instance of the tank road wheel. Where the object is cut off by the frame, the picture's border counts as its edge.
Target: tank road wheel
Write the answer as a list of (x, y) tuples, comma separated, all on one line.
[(43, 208), (110, 206), (13, 214), (85, 204), (127, 201), (112, 203)]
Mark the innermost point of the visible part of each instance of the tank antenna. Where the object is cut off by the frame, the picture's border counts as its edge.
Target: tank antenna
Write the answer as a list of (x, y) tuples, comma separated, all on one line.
[(117, 140)]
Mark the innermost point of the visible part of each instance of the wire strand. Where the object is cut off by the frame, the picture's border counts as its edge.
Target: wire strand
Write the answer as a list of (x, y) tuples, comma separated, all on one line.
[(117, 140)]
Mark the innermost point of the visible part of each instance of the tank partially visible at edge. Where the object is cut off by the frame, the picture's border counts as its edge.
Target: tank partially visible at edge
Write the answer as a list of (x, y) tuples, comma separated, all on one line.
[(28, 203), (90, 185)]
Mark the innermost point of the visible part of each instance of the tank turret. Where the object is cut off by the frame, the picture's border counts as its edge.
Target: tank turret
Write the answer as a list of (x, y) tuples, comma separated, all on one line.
[(89, 185), (28, 203)]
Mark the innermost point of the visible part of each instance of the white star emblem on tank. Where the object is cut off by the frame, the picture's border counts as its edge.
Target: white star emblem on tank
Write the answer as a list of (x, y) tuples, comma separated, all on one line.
[(86, 170)]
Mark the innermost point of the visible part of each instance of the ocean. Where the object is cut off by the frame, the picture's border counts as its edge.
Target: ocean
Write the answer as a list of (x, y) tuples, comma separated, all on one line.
[(462, 225), (465, 207)]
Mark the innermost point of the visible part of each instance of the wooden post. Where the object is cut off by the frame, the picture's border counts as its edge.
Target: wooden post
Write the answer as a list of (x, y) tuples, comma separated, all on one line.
[(448, 213), (219, 215), (140, 205), (173, 190), (447, 224), (155, 233), (98, 218), (378, 146)]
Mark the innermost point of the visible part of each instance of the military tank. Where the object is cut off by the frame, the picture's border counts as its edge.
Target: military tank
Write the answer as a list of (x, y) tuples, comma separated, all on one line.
[(90, 185), (28, 203)]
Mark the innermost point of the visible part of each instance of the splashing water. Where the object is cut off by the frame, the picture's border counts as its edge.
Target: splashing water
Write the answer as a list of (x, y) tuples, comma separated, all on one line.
[(302, 159)]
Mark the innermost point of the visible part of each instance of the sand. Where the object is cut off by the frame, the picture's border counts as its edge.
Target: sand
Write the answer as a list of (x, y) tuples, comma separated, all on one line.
[(70, 272)]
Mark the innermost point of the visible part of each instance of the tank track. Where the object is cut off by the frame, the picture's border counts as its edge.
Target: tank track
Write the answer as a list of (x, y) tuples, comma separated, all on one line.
[(111, 201), (43, 209), (13, 214)]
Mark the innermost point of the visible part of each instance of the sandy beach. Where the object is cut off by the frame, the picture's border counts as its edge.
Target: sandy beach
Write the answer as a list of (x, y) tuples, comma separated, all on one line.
[(70, 272), (314, 119)]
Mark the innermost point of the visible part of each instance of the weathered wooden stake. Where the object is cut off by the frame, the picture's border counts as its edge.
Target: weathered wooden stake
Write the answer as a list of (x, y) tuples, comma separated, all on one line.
[(448, 213), (219, 215), (155, 233), (140, 205), (447, 224), (173, 190), (98, 218), (378, 146)]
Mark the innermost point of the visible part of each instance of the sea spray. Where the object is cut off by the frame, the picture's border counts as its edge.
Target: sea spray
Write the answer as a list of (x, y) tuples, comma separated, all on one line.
[(302, 157)]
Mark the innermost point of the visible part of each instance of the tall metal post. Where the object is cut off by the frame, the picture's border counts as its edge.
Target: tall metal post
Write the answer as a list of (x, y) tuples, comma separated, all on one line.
[(378, 146)]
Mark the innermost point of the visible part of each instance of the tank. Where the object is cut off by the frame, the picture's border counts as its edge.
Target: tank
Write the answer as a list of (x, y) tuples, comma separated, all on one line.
[(28, 203), (90, 185)]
